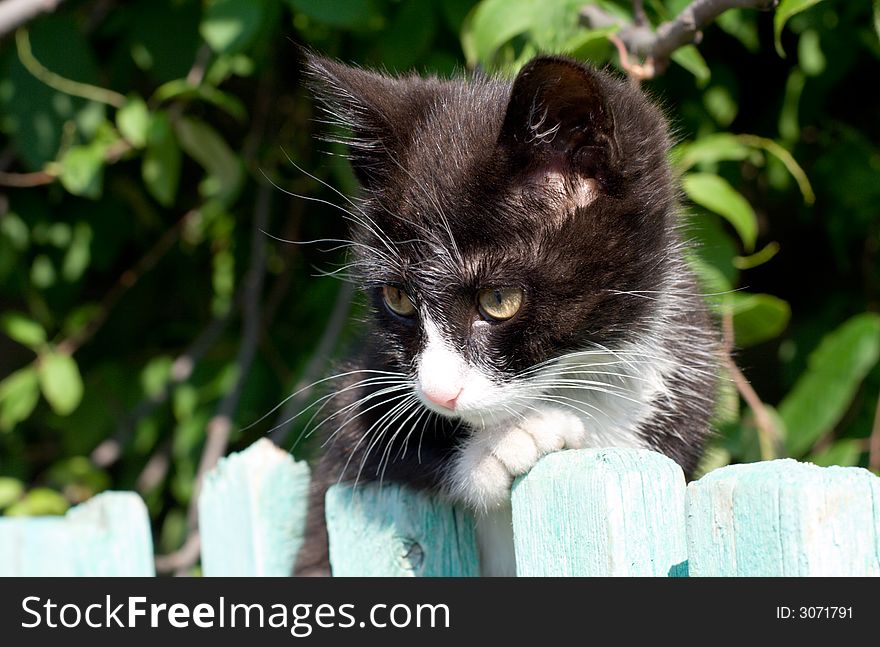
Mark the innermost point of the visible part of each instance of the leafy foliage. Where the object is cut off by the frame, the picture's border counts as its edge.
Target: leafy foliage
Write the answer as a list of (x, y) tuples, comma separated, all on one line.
[(147, 148)]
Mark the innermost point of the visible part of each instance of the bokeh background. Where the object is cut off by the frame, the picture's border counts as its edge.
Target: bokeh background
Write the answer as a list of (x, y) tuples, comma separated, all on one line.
[(151, 152)]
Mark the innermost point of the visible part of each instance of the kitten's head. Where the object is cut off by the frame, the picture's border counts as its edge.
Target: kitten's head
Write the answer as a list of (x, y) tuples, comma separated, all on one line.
[(503, 225)]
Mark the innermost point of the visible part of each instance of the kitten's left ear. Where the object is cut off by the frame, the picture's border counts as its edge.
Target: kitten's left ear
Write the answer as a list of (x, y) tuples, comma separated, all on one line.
[(558, 121), (380, 111)]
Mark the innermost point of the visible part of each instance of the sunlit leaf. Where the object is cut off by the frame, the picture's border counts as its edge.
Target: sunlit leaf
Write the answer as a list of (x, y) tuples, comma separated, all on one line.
[(155, 375), (133, 121), (810, 56), (845, 453), (757, 317), (741, 24), (758, 258), (785, 10), (180, 89), (82, 170), (78, 255), (10, 491), (716, 194), (19, 394), (709, 149), (23, 329), (689, 58), (834, 372), (720, 104), (39, 502), (494, 22), (60, 381), (786, 158), (210, 150), (230, 25)]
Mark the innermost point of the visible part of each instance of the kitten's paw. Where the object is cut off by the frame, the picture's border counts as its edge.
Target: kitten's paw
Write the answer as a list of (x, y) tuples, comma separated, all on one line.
[(536, 436), (479, 478), (487, 464)]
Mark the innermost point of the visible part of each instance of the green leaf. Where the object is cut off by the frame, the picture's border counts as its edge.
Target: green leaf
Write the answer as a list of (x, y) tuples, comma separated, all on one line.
[(10, 491), (155, 375), (758, 258), (184, 401), (689, 58), (39, 502), (721, 105), (230, 25), (709, 149), (716, 194), (757, 317), (845, 453), (340, 13), (712, 280), (161, 165), (586, 37), (810, 56), (79, 253), (742, 25), (182, 89), (203, 144), (133, 121), (788, 161), (494, 22), (823, 393), (877, 17), (19, 394), (787, 9), (82, 170), (60, 382), (23, 329), (36, 116)]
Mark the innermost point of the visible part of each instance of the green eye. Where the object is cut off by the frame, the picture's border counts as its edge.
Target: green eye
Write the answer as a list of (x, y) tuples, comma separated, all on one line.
[(398, 301), (499, 304)]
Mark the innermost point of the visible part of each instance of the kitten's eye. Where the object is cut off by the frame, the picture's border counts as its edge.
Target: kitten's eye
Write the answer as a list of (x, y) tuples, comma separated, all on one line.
[(499, 303), (398, 301)]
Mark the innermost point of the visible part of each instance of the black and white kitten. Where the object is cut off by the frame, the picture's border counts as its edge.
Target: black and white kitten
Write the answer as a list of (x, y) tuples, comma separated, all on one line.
[(519, 246)]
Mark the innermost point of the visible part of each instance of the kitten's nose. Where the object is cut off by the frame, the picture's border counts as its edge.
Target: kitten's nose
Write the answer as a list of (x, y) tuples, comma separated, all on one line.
[(443, 398)]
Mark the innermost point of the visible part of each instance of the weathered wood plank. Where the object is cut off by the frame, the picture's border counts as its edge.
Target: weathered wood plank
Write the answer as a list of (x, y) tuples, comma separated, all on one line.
[(108, 535), (252, 513), (600, 512), (396, 531), (784, 518)]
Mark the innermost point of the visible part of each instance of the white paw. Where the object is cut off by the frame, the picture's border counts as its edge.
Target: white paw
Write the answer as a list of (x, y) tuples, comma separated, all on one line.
[(478, 478), (487, 463)]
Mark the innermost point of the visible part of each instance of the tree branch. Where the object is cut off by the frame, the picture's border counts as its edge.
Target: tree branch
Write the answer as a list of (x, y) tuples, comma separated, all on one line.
[(656, 46), (317, 363), (220, 426), (768, 437), (14, 13)]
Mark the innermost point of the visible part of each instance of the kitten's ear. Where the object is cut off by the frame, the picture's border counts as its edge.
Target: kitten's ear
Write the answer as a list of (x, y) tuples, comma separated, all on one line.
[(375, 107), (558, 118)]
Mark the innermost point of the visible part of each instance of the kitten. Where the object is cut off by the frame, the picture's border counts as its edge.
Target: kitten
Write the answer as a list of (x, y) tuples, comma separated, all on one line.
[(519, 246)]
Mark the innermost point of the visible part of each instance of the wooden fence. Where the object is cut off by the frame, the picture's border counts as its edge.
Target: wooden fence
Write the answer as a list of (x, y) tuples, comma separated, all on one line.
[(586, 512)]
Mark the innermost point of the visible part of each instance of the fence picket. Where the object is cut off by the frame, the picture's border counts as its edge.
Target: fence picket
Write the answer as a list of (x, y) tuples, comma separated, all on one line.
[(252, 513), (600, 512), (109, 535), (784, 518), (396, 531)]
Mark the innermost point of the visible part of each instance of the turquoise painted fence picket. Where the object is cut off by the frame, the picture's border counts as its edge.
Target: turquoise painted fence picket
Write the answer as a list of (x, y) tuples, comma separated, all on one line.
[(577, 513)]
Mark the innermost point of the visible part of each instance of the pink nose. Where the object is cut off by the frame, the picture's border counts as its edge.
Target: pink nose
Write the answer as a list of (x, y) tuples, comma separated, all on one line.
[(445, 399)]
